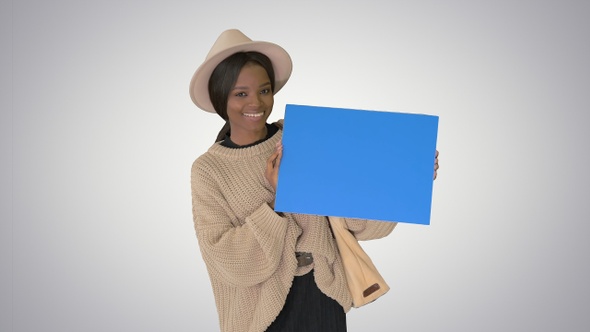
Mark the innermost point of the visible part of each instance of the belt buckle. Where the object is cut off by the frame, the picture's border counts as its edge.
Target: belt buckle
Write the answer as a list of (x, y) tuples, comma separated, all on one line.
[(303, 258)]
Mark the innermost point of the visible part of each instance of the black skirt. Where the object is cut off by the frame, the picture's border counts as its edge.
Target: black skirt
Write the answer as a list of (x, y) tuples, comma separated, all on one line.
[(307, 309)]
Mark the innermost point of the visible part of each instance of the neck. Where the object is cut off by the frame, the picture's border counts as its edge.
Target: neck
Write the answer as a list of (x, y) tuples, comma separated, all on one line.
[(248, 137)]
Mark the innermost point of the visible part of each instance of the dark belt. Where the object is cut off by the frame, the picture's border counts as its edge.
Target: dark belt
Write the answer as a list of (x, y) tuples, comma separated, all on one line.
[(303, 258)]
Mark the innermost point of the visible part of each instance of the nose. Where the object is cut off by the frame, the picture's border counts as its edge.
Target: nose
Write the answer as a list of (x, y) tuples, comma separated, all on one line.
[(255, 100)]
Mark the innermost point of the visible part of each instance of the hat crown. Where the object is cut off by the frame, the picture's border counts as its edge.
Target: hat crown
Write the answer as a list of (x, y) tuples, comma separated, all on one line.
[(227, 39)]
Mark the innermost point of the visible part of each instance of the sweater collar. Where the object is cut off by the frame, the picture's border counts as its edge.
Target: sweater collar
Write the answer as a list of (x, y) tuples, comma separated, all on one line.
[(258, 149)]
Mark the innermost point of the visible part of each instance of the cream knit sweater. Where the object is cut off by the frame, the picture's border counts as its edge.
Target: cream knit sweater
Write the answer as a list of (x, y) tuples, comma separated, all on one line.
[(249, 249)]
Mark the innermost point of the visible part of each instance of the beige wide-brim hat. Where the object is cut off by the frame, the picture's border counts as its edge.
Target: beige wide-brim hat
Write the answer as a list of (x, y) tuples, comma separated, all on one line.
[(230, 42)]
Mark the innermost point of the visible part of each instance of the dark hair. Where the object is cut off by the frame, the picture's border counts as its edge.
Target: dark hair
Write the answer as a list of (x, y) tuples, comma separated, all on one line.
[(224, 78)]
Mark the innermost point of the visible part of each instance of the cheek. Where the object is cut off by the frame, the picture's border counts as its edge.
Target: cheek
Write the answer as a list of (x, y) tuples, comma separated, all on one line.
[(232, 106), (269, 100)]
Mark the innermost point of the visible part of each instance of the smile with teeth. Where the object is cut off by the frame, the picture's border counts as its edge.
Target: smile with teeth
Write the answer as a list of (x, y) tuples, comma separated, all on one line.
[(253, 115)]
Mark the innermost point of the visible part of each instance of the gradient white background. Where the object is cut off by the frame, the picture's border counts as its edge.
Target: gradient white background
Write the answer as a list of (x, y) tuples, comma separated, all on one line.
[(98, 134)]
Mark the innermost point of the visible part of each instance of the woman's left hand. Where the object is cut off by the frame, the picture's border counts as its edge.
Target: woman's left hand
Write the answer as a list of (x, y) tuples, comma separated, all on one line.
[(272, 166), (435, 164)]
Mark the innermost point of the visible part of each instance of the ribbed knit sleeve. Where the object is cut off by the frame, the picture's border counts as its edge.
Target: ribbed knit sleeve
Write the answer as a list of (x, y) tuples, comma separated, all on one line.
[(369, 229), (243, 255), (241, 250)]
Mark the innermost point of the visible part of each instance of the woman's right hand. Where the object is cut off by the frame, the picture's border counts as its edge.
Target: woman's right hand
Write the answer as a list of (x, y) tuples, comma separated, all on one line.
[(272, 166)]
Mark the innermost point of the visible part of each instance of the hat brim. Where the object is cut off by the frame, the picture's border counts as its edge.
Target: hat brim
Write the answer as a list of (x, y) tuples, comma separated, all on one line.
[(281, 62)]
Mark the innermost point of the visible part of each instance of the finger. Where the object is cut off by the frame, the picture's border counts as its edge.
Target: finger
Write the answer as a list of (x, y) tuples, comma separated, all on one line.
[(277, 154), (435, 171), (274, 155), (279, 157), (435, 162), (270, 162)]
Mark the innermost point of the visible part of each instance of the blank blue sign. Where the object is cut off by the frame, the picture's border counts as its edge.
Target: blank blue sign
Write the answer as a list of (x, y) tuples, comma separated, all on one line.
[(357, 164)]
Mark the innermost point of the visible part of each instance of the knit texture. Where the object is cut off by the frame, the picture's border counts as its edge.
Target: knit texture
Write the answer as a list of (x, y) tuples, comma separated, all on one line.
[(249, 249)]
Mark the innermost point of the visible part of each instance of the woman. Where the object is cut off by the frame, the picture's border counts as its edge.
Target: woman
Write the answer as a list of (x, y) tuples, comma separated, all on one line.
[(269, 271)]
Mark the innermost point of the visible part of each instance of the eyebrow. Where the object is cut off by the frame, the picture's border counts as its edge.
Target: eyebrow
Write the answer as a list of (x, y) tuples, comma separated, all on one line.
[(245, 88)]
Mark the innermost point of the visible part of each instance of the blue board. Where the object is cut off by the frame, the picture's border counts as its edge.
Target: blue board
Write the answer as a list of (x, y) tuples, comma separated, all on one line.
[(357, 164)]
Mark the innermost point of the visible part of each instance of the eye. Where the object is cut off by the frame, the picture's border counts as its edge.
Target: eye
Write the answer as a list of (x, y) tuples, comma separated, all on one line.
[(240, 94), (265, 91)]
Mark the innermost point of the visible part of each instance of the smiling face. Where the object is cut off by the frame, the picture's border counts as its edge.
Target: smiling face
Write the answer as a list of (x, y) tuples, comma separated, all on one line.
[(249, 104)]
